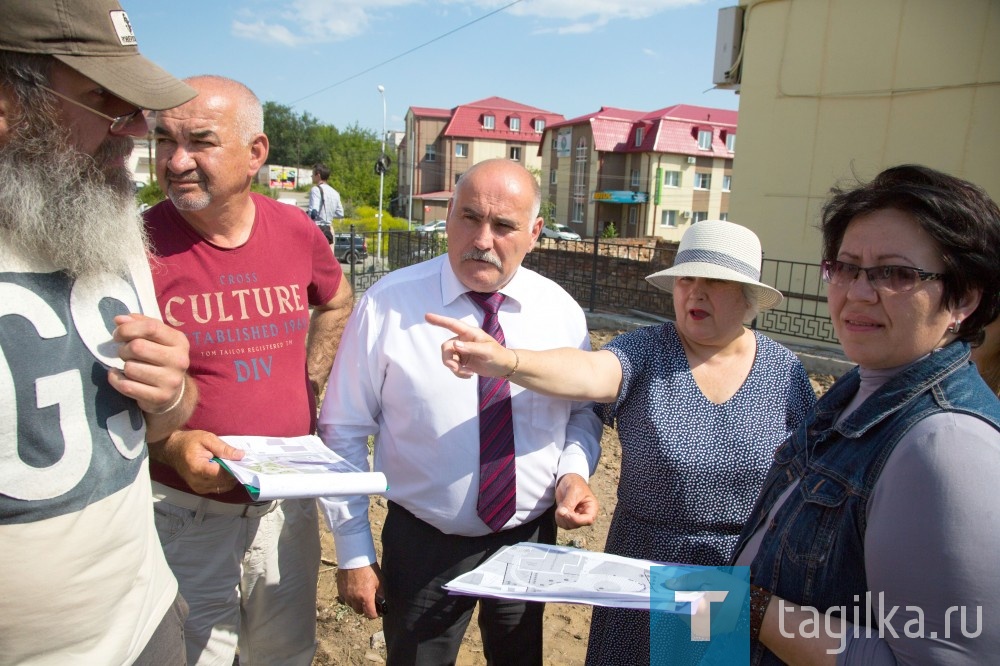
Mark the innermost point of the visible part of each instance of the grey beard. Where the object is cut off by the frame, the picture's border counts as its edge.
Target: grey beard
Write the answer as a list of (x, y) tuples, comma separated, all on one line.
[(58, 205)]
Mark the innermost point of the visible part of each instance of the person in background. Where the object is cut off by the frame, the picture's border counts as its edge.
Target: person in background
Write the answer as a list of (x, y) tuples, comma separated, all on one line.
[(470, 468), (700, 405), (238, 273), (324, 201), (88, 371), (879, 515)]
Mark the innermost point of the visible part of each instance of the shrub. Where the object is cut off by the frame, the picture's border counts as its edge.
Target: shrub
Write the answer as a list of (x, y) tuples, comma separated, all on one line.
[(150, 194)]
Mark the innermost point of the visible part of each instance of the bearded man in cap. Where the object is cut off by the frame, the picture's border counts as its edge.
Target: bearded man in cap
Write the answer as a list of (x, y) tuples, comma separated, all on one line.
[(88, 372)]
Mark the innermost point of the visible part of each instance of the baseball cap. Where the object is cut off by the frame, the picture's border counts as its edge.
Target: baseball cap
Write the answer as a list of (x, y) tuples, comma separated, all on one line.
[(95, 38)]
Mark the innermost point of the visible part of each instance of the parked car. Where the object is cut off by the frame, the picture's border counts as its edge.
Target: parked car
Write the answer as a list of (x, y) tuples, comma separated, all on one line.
[(431, 227), (559, 232), (348, 253)]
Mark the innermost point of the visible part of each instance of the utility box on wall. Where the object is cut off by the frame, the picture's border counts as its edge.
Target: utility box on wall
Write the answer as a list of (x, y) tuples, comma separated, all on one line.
[(728, 39)]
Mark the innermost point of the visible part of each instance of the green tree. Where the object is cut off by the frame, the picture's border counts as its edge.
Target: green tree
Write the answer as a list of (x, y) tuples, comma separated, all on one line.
[(351, 154), (351, 159), (296, 140), (547, 211)]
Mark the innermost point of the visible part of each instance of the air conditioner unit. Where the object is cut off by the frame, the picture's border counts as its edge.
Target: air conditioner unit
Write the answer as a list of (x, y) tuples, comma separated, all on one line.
[(692, 159), (686, 214)]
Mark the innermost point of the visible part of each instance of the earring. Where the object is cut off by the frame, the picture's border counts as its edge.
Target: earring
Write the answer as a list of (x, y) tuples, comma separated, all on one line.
[(955, 326)]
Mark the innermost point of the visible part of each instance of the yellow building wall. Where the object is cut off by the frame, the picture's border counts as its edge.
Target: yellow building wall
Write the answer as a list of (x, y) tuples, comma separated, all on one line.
[(831, 89)]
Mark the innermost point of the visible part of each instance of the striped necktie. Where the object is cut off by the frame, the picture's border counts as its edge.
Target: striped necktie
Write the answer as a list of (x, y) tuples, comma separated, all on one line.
[(497, 489)]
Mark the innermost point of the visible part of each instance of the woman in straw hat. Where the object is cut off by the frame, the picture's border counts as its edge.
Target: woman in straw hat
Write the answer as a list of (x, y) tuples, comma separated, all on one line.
[(700, 405)]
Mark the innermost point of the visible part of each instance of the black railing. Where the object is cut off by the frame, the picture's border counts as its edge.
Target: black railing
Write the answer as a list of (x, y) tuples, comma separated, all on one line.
[(609, 275)]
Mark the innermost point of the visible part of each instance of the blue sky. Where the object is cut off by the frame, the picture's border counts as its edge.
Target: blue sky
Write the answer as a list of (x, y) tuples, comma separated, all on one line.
[(326, 56)]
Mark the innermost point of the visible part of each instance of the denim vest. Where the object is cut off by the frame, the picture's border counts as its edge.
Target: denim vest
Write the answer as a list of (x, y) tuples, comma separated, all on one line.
[(813, 553)]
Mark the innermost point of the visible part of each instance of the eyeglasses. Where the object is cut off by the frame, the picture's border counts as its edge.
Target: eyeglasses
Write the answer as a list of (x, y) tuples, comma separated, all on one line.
[(882, 278), (118, 123)]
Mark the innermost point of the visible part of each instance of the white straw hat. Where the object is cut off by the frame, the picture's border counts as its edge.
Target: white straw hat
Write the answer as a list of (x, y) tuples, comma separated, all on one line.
[(719, 250)]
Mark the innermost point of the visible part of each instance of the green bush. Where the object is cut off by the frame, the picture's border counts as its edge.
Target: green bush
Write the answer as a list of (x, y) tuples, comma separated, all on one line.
[(150, 194), (365, 219), (609, 231), (265, 190)]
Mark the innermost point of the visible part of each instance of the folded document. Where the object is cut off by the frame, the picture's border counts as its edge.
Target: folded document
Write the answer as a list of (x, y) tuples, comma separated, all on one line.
[(541, 572), (296, 467)]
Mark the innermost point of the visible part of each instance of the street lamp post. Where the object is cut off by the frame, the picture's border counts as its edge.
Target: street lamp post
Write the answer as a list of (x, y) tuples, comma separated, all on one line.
[(381, 178)]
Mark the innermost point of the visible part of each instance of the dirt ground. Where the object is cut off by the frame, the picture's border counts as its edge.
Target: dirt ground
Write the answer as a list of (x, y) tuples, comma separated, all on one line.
[(347, 638)]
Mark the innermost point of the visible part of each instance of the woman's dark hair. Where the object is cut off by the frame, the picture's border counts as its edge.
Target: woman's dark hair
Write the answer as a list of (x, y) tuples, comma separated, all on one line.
[(961, 218)]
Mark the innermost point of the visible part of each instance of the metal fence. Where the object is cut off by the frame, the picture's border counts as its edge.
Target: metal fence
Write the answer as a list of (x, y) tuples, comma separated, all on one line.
[(608, 275)]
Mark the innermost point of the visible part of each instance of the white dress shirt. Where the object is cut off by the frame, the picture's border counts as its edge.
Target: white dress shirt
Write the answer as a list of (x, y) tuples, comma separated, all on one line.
[(388, 381)]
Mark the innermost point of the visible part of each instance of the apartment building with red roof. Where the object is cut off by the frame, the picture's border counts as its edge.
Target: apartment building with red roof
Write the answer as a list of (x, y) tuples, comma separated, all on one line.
[(648, 173), (441, 144)]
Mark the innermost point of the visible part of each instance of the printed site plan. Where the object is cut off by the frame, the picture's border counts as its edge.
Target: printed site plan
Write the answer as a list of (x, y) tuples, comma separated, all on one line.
[(541, 572)]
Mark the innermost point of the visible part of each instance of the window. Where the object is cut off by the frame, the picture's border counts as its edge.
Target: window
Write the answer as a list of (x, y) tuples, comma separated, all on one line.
[(703, 181), (580, 171), (539, 125), (430, 153), (515, 124), (635, 178), (461, 150), (668, 218), (489, 122), (578, 211), (731, 142), (672, 178), (552, 176), (727, 181), (705, 139), (633, 215), (699, 216), (515, 153), (457, 176), (638, 136), (724, 217)]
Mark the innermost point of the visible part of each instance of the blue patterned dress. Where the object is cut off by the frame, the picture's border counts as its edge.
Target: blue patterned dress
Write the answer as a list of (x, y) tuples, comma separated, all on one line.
[(691, 469)]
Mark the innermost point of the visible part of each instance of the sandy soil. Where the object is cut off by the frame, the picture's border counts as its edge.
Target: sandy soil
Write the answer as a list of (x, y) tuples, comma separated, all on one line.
[(347, 638)]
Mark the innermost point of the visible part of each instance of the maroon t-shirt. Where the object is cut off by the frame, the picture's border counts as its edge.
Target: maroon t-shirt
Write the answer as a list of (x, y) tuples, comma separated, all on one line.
[(245, 312)]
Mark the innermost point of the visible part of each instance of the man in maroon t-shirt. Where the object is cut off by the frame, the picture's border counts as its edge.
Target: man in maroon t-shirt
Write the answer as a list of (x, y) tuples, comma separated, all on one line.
[(237, 273)]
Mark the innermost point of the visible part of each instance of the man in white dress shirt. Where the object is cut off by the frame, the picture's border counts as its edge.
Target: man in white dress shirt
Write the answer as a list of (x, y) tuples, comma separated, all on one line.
[(388, 381)]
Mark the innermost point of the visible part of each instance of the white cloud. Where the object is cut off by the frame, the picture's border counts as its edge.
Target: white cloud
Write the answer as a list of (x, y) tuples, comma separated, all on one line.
[(302, 22), (589, 11), (650, 53)]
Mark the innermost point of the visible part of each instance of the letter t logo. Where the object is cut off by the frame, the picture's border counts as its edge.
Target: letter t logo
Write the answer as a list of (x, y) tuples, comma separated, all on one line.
[(701, 611)]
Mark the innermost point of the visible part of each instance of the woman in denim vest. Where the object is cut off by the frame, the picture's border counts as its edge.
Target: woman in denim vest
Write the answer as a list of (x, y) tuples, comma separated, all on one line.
[(876, 537)]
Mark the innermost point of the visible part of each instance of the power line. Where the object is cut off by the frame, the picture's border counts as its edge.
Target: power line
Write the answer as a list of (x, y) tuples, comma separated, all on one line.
[(405, 53)]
